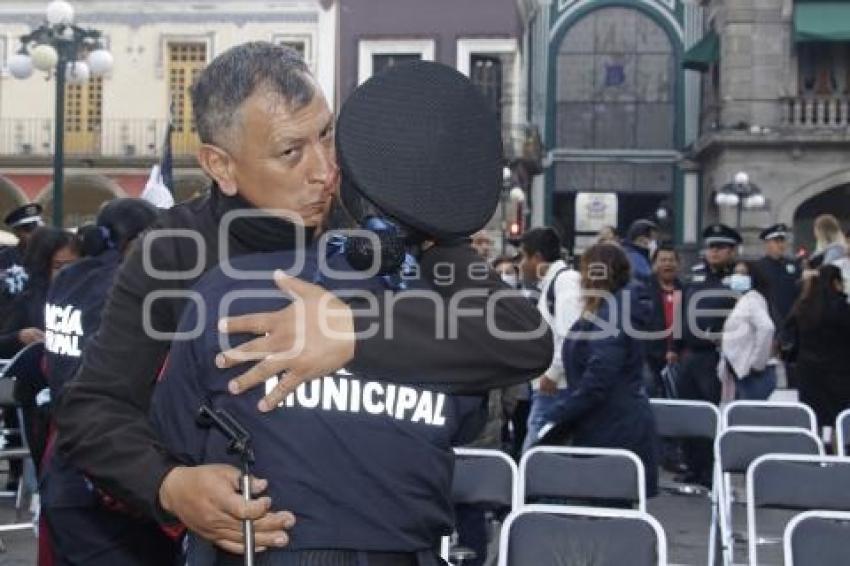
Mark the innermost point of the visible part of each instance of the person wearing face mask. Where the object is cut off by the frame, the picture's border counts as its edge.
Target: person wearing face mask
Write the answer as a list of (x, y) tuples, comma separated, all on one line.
[(746, 369), (640, 245), (507, 269)]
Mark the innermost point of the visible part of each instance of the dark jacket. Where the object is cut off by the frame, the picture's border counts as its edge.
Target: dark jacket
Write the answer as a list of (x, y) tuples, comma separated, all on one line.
[(706, 291), (363, 464), (784, 278), (607, 406), (25, 310), (74, 306), (103, 416), (823, 359), (639, 261), (656, 350)]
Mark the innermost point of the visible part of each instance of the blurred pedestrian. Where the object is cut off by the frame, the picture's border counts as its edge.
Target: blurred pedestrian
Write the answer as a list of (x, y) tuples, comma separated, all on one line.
[(606, 405), (640, 244), (608, 234), (747, 369), (482, 243), (665, 293), (559, 302), (820, 324), (831, 246)]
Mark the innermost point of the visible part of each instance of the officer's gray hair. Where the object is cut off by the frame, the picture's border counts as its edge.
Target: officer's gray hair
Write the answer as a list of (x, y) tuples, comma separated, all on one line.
[(235, 75)]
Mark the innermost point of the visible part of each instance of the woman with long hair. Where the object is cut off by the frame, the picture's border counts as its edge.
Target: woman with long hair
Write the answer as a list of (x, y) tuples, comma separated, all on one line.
[(831, 244), (607, 405), (820, 321), (747, 342)]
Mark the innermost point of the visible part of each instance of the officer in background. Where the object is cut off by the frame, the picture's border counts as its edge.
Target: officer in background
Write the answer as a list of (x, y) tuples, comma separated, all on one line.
[(707, 290), (22, 222), (784, 274)]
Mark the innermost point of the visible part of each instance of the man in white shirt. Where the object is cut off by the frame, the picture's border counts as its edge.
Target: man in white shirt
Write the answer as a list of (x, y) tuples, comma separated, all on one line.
[(559, 302)]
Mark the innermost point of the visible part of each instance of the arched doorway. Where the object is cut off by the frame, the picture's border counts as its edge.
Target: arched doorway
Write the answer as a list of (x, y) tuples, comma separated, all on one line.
[(83, 197), (835, 201), (11, 197), (616, 109)]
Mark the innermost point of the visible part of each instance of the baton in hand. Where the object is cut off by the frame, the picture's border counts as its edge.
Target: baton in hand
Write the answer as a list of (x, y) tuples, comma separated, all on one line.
[(239, 442)]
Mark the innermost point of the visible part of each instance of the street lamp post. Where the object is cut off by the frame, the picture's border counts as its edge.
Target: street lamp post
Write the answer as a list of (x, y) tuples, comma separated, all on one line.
[(740, 194), (59, 46)]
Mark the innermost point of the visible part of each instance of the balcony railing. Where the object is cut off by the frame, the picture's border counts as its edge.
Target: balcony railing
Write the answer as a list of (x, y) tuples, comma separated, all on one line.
[(817, 112), (126, 138)]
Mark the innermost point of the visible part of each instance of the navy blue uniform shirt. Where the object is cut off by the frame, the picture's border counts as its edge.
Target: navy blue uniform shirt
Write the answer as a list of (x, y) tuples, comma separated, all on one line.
[(72, 315), (363, 464)]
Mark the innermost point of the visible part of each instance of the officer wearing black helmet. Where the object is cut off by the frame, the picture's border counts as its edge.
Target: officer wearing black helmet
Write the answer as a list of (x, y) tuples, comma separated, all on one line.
[(707, 290), (364, 464)]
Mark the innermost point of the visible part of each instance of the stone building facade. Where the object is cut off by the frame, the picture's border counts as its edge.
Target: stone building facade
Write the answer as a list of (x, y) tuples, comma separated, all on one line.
[(775, 105)]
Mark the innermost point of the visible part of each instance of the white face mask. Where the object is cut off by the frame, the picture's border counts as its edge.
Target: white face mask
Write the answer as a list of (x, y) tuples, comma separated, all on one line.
[(740, 282), (510, 280), (653, 247)]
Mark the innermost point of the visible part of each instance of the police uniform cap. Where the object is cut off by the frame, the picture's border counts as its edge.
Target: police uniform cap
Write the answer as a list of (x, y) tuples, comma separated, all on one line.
[(720, 234), (27, 214), (776, 231), (420, 143)]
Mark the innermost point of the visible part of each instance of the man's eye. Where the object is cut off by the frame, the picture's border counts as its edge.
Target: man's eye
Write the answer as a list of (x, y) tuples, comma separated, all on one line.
[(288, 153), (328, 132)]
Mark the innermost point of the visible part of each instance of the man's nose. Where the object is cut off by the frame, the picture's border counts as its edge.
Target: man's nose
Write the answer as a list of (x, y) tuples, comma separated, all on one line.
[(323, 168)]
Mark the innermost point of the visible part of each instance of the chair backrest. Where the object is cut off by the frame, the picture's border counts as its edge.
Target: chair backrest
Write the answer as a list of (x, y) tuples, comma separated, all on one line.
[(842, 432), (585, 474), (553, 535), (791, 481), (485, 477), (769, 413), (685, 419), (738, 446), (817, 537)]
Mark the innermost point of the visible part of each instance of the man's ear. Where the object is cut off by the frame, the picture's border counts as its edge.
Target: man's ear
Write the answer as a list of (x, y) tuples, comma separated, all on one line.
[(218, 164)]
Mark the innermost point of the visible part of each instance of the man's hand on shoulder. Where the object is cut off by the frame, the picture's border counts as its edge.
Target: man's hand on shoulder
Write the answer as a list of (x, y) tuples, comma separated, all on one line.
[(207, 501), (312, 337)]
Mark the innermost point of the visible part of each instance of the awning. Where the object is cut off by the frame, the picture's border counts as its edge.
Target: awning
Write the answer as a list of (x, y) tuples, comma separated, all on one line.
[(703, 54), (822, 20)]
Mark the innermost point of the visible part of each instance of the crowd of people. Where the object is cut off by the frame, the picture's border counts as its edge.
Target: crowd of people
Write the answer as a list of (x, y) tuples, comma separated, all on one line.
[(732, 328), (353, 432)]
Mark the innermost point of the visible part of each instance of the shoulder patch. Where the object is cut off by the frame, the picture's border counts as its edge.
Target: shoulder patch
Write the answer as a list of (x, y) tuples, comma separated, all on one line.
[(791, 268)]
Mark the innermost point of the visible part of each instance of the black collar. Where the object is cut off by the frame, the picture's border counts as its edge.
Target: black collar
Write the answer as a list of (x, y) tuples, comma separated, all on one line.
[(263, 233)]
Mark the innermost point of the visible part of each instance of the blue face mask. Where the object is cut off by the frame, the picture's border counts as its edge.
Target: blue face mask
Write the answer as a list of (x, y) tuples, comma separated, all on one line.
[(740, 283)]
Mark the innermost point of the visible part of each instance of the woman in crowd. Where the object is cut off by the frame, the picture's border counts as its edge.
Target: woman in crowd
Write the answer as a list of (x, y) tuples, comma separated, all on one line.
[(820, 323), (49, 250), (831, 244), (607, 406), (70, 508), (745, 367)]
